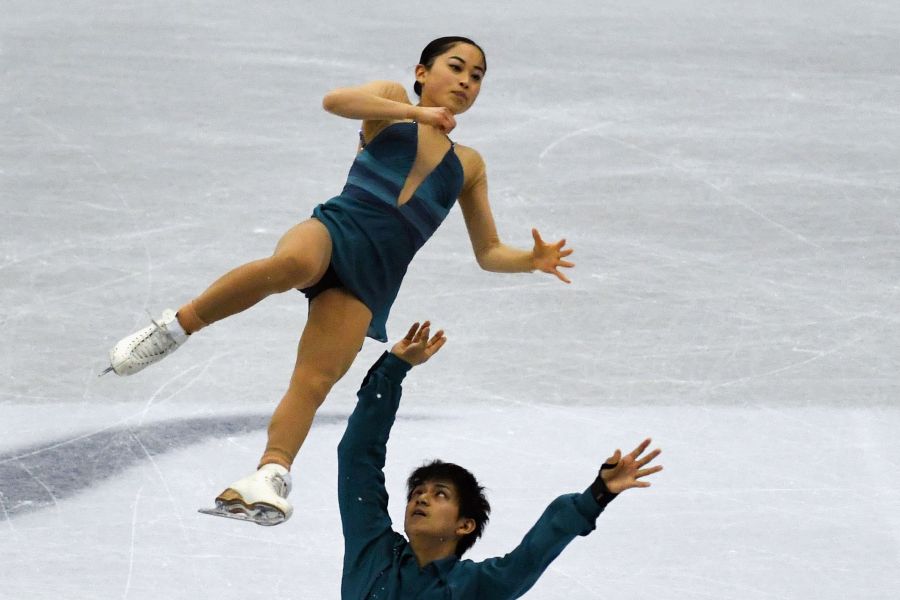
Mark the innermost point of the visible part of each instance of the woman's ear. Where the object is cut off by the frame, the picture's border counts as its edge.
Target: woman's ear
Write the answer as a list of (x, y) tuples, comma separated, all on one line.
[(421, 74)]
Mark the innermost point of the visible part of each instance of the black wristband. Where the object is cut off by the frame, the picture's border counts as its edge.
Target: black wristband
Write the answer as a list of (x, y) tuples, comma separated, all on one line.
[(599, 490)]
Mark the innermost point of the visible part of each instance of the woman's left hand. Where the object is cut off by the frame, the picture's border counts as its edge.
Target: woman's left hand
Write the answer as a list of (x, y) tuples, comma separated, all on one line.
[(549, 257)]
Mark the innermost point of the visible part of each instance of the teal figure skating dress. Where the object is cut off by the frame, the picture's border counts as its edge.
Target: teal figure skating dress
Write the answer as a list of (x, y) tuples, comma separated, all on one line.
[(373, 239)]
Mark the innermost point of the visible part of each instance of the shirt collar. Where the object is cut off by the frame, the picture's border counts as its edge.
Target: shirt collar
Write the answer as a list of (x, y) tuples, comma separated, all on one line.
[(441, 567), (444, 566)]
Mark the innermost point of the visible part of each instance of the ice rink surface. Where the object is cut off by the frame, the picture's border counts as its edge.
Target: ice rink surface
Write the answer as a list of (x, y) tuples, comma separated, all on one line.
[(727, 173)]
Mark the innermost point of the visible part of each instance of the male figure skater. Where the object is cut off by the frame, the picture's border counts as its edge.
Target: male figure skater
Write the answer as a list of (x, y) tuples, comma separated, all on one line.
[(446, 510)]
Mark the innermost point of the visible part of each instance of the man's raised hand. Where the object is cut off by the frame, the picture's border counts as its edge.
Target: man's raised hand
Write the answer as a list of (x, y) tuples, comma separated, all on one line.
[(621, 473), (417, 347)]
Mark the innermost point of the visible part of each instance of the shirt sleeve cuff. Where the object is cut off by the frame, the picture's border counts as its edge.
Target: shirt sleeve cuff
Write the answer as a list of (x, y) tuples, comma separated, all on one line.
[(388, 366), (588, 505), (393, 367)]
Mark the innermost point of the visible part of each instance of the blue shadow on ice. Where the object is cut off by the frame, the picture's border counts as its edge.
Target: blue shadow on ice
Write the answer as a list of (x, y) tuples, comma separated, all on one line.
[(36, 477)]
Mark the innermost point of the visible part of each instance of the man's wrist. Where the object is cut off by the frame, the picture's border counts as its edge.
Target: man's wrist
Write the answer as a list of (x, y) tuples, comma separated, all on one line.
[(395, 365), (599, 490), (389, 365)]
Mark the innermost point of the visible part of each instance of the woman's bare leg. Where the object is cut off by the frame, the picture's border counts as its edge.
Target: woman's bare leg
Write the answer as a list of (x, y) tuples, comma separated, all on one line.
[(300, 259), (334, 333)]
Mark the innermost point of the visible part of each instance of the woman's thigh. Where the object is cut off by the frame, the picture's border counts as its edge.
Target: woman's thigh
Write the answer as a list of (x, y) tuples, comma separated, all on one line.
[(334, 333), (308, 246)]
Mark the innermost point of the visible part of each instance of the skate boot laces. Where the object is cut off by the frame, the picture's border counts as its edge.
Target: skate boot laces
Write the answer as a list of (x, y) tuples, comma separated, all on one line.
[(280, 483), (158, 342), (146, 346)]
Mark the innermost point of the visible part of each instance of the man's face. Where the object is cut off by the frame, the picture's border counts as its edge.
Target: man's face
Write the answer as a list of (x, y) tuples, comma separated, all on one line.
[(432, 511)]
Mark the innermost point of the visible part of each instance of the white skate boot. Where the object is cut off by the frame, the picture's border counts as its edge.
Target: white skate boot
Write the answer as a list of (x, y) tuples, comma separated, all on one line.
[(260, 497), (147, 346)]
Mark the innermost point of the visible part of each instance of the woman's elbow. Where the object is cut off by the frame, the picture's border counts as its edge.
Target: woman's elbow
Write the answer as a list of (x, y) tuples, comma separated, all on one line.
[(484, 256), (484, 262)]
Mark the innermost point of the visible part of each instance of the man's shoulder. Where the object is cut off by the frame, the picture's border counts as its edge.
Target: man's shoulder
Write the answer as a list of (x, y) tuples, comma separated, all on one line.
[(379, 554)]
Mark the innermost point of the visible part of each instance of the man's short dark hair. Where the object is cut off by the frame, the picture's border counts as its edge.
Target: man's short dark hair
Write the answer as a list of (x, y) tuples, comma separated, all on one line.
[(472, 502)]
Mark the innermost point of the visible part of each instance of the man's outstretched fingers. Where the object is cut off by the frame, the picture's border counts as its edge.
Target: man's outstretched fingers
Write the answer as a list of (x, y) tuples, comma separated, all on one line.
[(648, 458), (437, 345), (641, 447), (412, 331), (650, 471), (614, 459)]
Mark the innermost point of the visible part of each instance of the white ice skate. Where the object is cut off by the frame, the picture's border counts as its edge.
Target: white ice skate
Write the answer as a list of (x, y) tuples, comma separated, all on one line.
[(145, 347), (260, 497)]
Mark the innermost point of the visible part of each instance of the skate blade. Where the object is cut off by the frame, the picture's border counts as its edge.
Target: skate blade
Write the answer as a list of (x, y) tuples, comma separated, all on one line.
[(261, 515)]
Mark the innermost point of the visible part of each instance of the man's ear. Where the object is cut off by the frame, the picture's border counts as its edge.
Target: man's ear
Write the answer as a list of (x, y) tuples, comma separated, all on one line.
[(465, 527)]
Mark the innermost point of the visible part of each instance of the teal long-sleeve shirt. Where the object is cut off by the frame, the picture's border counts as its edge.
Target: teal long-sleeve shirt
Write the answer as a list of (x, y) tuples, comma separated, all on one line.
[(379, 563)]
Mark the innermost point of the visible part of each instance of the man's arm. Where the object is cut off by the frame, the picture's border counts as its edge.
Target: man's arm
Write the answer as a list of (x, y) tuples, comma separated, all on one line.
[(565, 518), (362, 496)]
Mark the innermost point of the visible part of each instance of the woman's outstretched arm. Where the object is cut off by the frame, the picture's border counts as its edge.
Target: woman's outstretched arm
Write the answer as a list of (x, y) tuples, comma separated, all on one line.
[(490, 252)]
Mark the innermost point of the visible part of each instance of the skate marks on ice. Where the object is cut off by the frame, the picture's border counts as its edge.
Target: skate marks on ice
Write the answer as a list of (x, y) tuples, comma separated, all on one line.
[(37, 477)]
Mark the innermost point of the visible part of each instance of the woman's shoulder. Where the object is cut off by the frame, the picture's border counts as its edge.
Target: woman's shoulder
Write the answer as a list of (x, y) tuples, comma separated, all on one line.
[(471, 161), (467, 154)]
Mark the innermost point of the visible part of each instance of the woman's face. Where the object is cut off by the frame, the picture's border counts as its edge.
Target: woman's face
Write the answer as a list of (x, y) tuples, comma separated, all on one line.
[(454, 80)]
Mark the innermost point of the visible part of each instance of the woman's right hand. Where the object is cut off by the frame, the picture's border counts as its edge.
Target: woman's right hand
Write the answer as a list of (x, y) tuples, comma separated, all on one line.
[(439, 117)]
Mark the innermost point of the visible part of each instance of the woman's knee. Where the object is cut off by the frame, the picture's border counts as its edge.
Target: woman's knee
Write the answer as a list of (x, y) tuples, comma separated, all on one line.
[(285, 271), (314, 384)]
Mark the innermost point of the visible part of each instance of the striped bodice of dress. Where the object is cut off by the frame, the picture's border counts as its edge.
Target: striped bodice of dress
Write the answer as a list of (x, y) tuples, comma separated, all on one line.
[(380, 171)]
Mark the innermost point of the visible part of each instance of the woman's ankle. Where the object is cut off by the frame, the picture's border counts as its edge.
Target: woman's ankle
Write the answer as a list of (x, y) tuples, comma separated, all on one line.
[(188, 318), (274, 457)]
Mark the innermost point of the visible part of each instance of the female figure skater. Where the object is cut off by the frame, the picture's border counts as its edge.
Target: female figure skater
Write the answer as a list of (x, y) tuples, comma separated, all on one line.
[(351, 256)]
